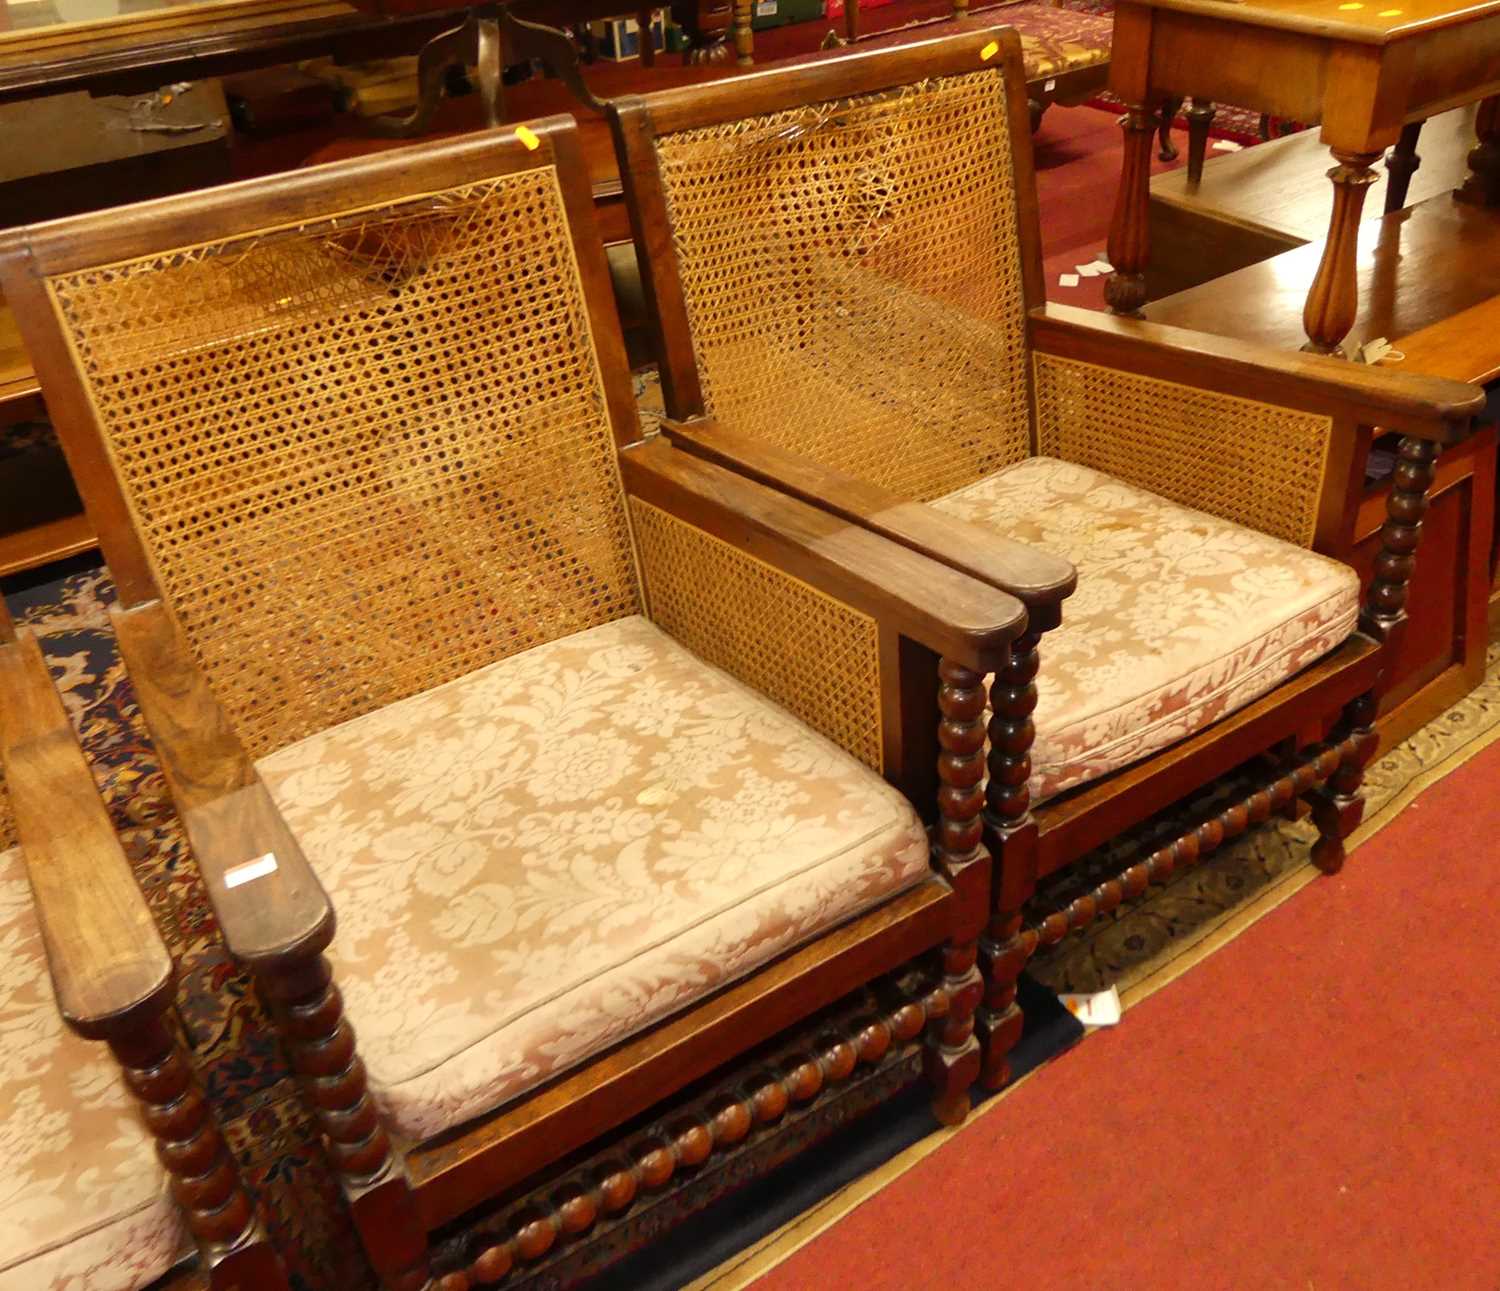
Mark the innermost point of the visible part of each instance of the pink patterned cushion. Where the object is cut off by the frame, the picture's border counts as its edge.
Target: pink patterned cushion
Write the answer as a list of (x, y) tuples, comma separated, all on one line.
[(1180, 618), (83, 1200), (548, 855)]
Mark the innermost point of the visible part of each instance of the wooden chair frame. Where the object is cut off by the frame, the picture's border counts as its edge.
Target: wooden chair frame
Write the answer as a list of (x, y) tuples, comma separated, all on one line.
[(110, 970), (1315, 730), (940, 632)]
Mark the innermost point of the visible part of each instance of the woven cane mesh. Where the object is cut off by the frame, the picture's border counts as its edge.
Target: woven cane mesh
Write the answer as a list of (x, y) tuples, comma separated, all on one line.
[(367, 456), (853, 280), (813, 655), (1254, 463)]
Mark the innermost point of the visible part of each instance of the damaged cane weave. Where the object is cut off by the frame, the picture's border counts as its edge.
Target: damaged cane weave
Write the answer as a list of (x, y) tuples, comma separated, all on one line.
[(827, 261), (367, 456)]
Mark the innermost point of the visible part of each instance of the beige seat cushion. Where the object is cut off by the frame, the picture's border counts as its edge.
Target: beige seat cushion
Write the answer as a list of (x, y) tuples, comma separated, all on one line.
[(83, 1200), (539, 859), (1179, 618)]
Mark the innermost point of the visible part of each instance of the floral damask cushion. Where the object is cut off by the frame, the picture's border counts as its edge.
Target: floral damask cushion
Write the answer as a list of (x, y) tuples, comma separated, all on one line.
[(83, 1200), (1179, 618), (535, 861)]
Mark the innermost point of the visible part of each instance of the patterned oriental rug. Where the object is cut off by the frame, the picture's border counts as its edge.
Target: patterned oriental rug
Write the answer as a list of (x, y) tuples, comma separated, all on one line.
[(246, 1075)]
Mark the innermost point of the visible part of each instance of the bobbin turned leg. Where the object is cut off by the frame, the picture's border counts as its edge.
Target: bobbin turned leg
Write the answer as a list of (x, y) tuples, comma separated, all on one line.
[(952, 1058), (1333, 302), (1338, 806), (205, 1182), (1010, 832), (1129, 235), (321, 1043)]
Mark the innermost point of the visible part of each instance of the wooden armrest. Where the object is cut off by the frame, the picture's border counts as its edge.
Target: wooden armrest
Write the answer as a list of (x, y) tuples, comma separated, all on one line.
[(1432, 408), (269, 903), (110, 970), (1038, 578), (959, 617)]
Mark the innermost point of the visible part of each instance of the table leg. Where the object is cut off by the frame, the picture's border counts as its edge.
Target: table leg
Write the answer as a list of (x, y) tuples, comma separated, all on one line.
[(1167, 151), (1483, 185), (1129, 235), (744, 37), (1333, 302), (1200, 117), (1401, 165)]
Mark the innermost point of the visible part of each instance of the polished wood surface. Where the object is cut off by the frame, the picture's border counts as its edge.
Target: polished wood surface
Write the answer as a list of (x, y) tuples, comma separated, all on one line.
[(1367, 23), (109, 967), (1416, 269), (1256, 203), (1363, 74)]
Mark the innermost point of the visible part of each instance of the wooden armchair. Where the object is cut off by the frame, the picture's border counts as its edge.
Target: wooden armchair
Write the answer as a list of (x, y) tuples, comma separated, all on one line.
[(843, 263), (614, 764), (94, 1200)]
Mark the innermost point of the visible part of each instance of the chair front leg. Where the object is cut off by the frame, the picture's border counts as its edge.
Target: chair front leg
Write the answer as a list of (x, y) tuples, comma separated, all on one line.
[(310, 1014), (953, 1057), (1011, 834), (1338, 805), (205, 1180)]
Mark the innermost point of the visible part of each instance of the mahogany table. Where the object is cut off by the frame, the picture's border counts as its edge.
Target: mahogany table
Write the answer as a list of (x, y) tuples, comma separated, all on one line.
[(1362, 68)]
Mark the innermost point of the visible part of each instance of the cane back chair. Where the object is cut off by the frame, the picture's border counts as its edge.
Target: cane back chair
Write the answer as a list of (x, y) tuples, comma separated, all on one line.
[(88, 1205), (613, 763), (843, 265)]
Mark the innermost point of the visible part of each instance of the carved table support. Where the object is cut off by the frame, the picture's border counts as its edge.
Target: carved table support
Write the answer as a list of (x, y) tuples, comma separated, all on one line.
[(952, 1058), (1333, 301), (321, 1043), (1012, 837), (205, 1181), (1483, 185), (1129, 235)]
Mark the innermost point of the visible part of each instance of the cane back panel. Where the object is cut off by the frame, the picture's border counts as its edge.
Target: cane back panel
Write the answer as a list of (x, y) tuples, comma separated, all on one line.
[(365, 456), (1254, 463), (815, 656), (852, 275)]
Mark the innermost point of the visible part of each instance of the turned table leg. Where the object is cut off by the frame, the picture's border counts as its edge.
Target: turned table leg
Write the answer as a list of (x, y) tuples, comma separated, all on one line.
[(1129, 236), (1483, 185), (744, 37), (1200, 117), (1401, 165), (1333, 302)]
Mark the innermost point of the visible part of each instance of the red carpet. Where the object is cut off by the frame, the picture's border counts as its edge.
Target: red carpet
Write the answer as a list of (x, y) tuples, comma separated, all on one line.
[(1313, 1106)]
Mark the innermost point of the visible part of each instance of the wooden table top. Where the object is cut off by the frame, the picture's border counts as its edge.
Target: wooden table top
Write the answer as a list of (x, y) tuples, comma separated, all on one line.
[(1279, 187), (1430, 273), (1365, 22)]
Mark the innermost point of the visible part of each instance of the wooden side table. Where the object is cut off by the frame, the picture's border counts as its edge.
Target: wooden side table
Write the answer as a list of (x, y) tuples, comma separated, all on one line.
[(1363, 68)]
